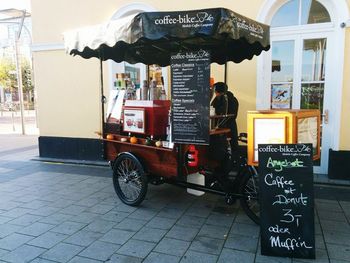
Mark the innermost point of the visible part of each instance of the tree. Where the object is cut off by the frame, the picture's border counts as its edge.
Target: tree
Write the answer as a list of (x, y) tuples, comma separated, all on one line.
[(8, 78), (27, 77)]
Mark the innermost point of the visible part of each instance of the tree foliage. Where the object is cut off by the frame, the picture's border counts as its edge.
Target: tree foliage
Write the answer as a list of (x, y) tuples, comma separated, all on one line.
[(8, 76), (8, 80)]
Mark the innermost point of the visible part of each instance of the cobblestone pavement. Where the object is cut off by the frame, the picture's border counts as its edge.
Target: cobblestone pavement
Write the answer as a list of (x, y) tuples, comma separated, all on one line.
[(10, 122), (70, 213)]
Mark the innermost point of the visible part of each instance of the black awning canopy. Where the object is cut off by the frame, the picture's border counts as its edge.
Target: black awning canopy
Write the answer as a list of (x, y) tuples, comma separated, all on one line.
[(151, 37)]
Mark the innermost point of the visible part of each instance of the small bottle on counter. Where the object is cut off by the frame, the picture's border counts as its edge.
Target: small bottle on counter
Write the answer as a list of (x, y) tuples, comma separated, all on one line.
[(144, 93)]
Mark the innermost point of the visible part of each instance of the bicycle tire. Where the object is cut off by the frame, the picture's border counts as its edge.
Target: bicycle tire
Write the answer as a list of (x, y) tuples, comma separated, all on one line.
[(129, 179), (249, 189)]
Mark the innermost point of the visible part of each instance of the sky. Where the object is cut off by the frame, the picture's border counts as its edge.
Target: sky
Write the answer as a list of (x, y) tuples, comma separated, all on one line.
[(19, 4), (7, 4)]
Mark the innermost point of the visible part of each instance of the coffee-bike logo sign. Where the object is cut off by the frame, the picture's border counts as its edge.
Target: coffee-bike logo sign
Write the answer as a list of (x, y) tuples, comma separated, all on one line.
[(191, 55), (187, 20)]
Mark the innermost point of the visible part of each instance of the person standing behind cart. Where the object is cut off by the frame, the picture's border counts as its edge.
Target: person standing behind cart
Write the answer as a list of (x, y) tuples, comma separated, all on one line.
[(226, 103)]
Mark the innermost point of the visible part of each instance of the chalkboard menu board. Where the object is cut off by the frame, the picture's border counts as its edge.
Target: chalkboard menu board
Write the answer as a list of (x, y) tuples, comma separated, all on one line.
[(286, 200), (190, 73)]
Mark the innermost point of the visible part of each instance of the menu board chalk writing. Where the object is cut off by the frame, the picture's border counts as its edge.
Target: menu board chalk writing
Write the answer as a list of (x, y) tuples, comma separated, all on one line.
[(190, 74), (286, 200)]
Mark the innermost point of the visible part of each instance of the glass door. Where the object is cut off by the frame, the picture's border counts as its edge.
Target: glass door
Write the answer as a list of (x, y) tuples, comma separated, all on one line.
[(299, 81)]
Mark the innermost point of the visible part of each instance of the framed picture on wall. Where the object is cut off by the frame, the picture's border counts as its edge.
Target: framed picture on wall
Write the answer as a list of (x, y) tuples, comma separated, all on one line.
[(281, 96)]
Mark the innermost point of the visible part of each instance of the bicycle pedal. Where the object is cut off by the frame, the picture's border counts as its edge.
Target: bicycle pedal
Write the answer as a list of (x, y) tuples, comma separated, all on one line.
[(229, 200)]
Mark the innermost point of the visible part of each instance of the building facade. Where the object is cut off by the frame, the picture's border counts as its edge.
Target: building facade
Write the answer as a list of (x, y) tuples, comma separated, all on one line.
[(309, 61)]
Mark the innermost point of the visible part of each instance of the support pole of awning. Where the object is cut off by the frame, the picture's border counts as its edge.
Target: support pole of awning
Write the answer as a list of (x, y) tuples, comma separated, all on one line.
[(225, 73), (103, 100)]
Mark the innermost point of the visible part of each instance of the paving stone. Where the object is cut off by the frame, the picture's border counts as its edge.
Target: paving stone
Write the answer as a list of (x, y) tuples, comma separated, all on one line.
[(337, 261), (117, 236), (245, 230), (41, 260), (83, 238), (171, 213), (14, 241), (2, 252), (116, 258), (214, 231), (99, 250), (143, 213), (327, 207), (243, 243), (23, 254), (321, 257), (48, 240), (229, 255), (242, 218), (45, 211), (26, 198), (337, 238), (196, 257), (56, 219), (83, 260), (101, 226), (333, 216), (68, 228), (191, 221), (125, 208), (84, 217), (7, 229), (318, 230), (8, 205), (172, 246), (266, 259), (150, 234), (154, 257), (73, 210), (88, 202), (100, 209), (4, 219), (25, 220), (223, 220), (16, 212), (161, 223), (130, 224), (319, 242), (115, 216), (136, 248), (331, 226), (61, 202), (182, 233), (35, 229), (207, 245), (338, 252), (62, 252), (36, 204), (200, 212)]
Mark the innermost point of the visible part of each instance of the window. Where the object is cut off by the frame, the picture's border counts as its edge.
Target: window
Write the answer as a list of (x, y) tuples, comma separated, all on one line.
[(300, 12)]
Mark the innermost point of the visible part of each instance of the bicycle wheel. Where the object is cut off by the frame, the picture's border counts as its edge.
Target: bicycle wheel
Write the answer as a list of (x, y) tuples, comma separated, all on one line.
[(129, 179), (249, 188)]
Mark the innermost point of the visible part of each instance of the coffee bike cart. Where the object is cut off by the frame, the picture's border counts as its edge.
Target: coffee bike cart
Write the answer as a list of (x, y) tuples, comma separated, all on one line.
[(153, 38)]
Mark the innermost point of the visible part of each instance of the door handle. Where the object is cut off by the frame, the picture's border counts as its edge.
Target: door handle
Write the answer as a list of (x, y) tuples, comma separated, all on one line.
[(325, 116)]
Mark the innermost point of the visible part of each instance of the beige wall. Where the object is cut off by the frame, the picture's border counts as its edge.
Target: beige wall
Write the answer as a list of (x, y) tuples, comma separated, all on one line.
[(68, 95), (345, 120)]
